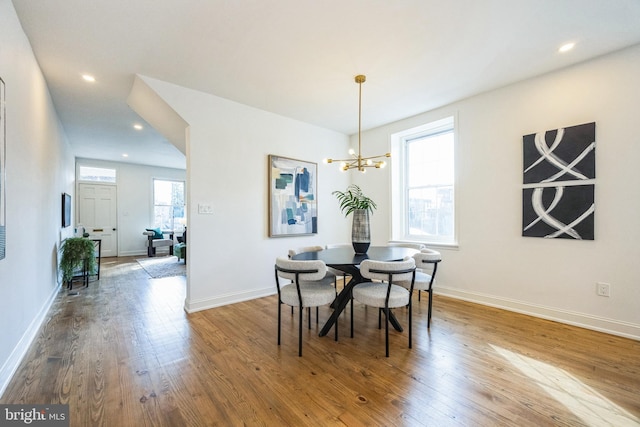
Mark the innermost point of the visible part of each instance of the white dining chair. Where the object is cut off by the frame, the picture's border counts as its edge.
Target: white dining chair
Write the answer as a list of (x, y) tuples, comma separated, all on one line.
[(427, 261), (306, 289), (329, 278), (384, 293)]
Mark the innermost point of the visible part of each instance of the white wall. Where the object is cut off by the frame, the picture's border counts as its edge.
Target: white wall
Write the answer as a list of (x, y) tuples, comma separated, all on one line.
[(494, 264), (135, 201), (231, 256), (39, 168)]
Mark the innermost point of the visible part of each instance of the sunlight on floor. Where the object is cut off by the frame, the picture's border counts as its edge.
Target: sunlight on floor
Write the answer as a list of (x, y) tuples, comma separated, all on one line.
[(593, 408)]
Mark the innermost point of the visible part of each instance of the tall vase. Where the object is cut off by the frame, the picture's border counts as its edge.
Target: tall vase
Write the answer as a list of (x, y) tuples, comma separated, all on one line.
[(360, 233)]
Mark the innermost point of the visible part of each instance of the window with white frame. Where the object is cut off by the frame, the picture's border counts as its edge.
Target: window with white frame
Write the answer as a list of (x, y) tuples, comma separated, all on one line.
[(95, 174), (423, 183), (168, 205)]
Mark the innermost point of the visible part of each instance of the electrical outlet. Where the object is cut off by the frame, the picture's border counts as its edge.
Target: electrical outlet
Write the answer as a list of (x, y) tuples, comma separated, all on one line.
[(603, 289)]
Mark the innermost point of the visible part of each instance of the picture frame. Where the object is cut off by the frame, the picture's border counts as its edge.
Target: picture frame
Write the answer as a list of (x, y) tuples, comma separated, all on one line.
[(558, 191), (66, 210), (293, 204), (3, 168)]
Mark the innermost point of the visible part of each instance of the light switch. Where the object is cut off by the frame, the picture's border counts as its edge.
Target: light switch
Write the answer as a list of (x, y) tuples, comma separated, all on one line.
[(205, 209)]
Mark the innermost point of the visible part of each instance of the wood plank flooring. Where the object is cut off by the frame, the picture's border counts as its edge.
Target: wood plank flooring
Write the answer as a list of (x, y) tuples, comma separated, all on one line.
[(124, 353)]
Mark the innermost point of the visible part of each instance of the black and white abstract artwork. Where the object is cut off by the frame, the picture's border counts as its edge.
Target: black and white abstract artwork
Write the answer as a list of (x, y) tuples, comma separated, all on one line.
[(564, 154), (558, 212), (559, 170)]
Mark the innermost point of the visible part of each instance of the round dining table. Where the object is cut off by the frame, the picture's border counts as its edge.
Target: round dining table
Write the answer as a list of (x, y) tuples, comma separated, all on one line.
[(345, 259)]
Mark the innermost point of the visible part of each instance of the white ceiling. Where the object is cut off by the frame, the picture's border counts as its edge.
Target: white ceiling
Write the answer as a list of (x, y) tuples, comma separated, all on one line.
[(298, 58)]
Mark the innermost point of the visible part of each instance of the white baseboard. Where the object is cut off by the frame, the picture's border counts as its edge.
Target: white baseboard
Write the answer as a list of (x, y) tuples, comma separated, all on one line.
[(136, 253), (205, 304), (587, 321), (20, 350)]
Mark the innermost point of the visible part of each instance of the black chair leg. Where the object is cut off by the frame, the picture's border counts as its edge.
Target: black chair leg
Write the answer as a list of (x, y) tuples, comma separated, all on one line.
[(386, 331), (300, 332), (429, 309), (351, 317), (279, 319), (410, 325)]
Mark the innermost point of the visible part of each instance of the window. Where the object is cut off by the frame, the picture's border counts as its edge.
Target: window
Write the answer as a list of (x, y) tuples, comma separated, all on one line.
[(423, 184), (105, 175), (168, 205)]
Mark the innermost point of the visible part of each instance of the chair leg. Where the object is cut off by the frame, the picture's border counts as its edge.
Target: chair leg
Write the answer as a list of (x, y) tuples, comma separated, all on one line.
[(351, 317), (317, 314), (300, 332), (309, 316), (410, 325), (386, 331), (279, 319), (429, 309)]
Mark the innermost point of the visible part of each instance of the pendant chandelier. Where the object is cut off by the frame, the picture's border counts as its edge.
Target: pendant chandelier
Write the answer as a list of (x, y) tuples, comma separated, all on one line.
[(357, 161)]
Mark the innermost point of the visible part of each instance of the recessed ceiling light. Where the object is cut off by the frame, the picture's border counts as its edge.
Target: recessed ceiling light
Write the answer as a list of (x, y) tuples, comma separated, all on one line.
[(125, 155), (137, 126), (566, 47), (88, 78)]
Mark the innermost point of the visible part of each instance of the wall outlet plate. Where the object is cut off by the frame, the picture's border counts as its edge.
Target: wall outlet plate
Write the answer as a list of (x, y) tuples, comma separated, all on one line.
[(205, 208), (603, 289)]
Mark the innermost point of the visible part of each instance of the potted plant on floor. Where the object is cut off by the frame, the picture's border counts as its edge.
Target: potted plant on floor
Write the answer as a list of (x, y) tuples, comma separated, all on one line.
[(78, 256), (352, 200)]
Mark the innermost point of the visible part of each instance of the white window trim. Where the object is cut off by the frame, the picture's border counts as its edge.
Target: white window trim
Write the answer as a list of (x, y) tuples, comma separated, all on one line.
[(398, 181), (153, 198)]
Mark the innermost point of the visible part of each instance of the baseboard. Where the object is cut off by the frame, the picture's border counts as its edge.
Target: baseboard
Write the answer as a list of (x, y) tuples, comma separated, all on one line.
[(136, 253), (20, 350), (595, 323), (205, 304)]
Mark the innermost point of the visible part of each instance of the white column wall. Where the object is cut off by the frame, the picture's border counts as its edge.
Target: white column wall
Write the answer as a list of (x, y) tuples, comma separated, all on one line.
[(230, 256), (494, 264)]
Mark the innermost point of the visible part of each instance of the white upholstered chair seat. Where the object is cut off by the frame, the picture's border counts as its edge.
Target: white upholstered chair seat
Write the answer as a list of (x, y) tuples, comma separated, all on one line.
[(313, 294), (421, 283), (375, 293)]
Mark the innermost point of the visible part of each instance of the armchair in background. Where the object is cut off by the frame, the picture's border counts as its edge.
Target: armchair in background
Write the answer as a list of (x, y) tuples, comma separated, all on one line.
[(157, 239), (180, 249)]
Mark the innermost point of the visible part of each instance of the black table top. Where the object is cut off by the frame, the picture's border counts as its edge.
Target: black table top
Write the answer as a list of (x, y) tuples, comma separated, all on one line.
[(347, 256)]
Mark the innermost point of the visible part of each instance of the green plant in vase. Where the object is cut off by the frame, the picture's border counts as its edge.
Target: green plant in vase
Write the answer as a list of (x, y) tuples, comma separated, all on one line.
[(78, 254), (353, 200)]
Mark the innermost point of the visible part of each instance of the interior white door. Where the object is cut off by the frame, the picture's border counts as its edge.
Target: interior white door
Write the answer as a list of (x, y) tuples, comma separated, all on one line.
[(97, 214)]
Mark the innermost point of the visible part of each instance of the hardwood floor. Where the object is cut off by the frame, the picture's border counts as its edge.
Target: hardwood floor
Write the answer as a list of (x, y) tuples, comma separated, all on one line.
[(124, 353)]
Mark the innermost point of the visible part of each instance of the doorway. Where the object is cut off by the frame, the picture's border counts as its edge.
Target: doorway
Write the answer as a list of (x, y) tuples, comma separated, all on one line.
[(97, 214)]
